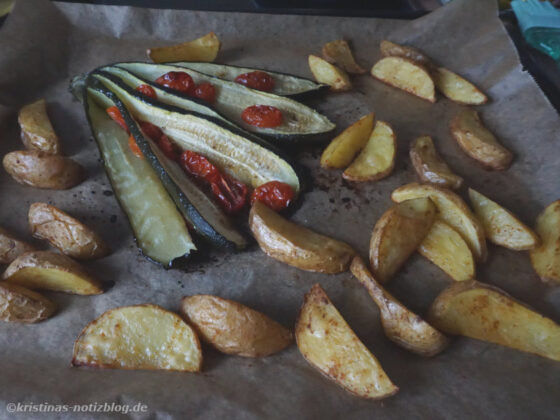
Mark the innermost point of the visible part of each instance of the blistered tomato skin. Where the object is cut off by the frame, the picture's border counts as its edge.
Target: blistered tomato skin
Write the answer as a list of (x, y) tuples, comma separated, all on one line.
[(152, 131), (168, 148), (177, 80), (274, 194), (199, 166), (116, 116), (258, 80), (262, 116), (205, 91), (231, 193), (147, 90)]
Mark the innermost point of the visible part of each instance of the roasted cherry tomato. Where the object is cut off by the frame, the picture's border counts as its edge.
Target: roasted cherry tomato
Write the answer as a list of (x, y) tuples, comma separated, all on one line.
[(231, 193), (177, 80), (152, 131), (263, 116), (274, 194), (198, 166), (256, 80), (116, 116), (147, 90), (134, 147), (205, 91), (168, 148)]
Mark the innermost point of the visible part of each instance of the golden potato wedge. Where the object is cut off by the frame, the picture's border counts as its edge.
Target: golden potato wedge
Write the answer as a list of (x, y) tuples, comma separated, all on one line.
[(328, 343), (233, 328), (487, 313), (406, 75), (479, 143), (452, 210), (11, 247), (397, 234), (342, 149), (500, 225), (295, 245), (429, 165), (546, 258), (325, 72), (448, 250), (37, 132), (401, 325), (390, 49), (139, 337), (339, 52), (62, 231), (43, 170), (203, 49), (456, 88), (18, 304), (49, 271), (377, 160)]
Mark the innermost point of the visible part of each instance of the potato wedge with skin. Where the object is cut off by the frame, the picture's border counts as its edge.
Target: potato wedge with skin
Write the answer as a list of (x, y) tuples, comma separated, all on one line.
[(452, 210), (546, 258), (62, 231), (377, 159), (37, 132), (203, 49), (500, 225), (295, 245), (339, 52), (429, 165), (49, 271), (444, 247), (397, 234), (328, 343), (11, 247), (233, 328), (487, 313), (325, 72), (390, 49), (479, 143), (401, 325), (18, 304), (457, 88), (43, 170), (342, 149), (139, 337), (406, 75)]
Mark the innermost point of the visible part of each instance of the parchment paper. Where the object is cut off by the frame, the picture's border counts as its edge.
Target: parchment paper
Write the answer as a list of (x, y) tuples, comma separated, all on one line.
[(44, 44)]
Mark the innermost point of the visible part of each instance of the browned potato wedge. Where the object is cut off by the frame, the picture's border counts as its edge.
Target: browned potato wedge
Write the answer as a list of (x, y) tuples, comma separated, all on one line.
[(457, 88), (325, 72), (297, 246), (546, 258), (339, 52), (377, 160), (407, 75), (448, 250), (69, 235), (430, 166), (43, 170), (49, 271), (139, 337), (37, 131), (397, 234), (328, 343), (479, 143), (487, 313), (500, 225), (342, 149), (11, 247), (400, 324), (452, 210), (234, 328), (390, 49), (203, 49), (18, 304)]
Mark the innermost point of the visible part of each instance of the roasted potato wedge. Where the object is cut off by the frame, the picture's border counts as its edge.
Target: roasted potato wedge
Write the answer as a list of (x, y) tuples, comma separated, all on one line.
[(452, 210), (397, 234), (448, 250), (11, 247), (37, 132), (390, 49), (377, 159), (479, 143), (339, 52), (139, 337), (401, 325), (43, 170), (18, 304), (49, 271), (500, 225), (203, 49), (328, 343), (487, 313), (430, 166), (233, 328), (69, 235), (295, 245), (456, 88), (406, 75), (342, 149), (329, 74), (546, 258)]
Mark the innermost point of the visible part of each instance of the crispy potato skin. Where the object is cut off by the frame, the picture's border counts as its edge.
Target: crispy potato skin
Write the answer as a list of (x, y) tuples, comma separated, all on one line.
[(69, 235), (233, 328), (11, 247), (546, 258), (18, 304), (325, 72), (457, 88), (390, 49), (204, 49), (339, 52), (43, 170), (37, 132)]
